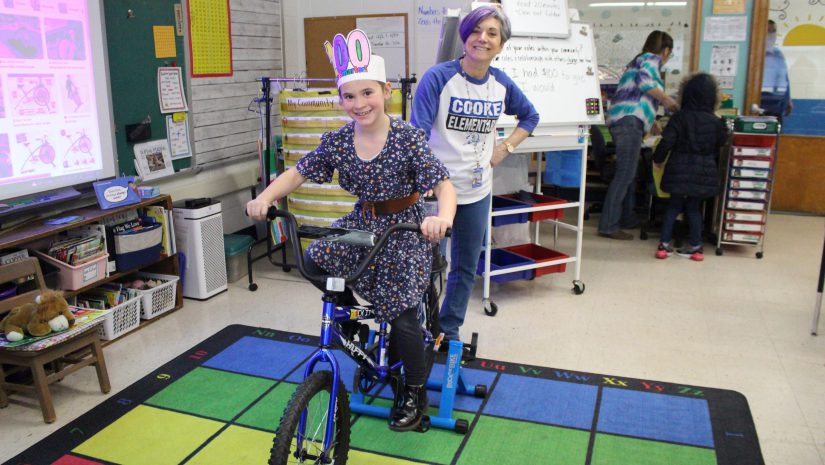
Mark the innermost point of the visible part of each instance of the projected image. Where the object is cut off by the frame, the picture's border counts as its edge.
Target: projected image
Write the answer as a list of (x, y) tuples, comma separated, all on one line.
[(2, 101), (64, 39), (79, 153), (41, 152), (55, 109), (20, 37), (6, 168), (74, 94), (32, 94)]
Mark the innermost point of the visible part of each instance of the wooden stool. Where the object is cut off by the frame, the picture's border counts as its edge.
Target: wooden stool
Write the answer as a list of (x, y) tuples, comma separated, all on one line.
[(68, 356), (78, 352)]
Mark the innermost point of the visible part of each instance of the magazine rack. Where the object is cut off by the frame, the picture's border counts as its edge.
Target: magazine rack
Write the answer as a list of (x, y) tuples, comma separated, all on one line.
[(51, 363)]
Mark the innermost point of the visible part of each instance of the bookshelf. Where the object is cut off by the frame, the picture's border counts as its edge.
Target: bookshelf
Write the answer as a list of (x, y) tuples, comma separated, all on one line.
[(38, 230)]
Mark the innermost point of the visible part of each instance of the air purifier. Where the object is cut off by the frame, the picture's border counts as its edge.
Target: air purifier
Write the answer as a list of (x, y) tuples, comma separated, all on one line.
[(199, 236)]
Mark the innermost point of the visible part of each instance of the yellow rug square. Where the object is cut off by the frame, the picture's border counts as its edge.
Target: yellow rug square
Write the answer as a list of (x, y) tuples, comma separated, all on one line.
[(170, 439), (235, 444)]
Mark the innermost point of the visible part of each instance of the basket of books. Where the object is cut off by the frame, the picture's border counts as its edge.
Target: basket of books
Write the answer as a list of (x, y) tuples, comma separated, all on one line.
[(158, 293), (80, 261), (123, 305)]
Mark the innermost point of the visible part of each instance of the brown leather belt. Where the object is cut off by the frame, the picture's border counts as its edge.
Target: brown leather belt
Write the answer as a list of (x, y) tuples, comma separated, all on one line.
[(389, 206)]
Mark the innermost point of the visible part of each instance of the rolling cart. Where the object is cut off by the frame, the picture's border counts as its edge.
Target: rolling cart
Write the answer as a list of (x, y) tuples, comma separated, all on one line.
[(749, 174), (531, 260)]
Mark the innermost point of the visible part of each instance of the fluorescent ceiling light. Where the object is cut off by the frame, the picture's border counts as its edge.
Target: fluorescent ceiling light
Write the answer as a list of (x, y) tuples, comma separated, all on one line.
[(638, 4), (619, 4)]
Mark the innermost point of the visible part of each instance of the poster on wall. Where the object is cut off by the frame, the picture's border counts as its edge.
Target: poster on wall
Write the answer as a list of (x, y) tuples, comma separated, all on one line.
[(723, 62), (538, 18), (726, 29), (170, 90), (210, 38), (721, 7)]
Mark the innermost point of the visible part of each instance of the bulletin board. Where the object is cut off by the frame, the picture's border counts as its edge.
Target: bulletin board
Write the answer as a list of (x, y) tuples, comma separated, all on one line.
[(133, 69), (387, 38)]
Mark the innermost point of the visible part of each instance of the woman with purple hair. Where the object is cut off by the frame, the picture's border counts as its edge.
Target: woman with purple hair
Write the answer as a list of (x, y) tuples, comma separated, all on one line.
[(458, 104)]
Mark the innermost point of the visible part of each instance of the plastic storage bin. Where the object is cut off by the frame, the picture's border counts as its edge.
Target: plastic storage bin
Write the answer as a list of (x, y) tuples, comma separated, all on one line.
[(134, 249), (72, 278), (756, 124), (539, 200), (540, 254), (501, 259), (235, 247), (120, 320), (754, 140), (502, 203), (159, 299), (563, 168)]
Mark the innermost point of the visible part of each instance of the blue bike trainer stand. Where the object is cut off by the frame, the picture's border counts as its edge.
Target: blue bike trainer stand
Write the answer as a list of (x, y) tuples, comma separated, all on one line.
[(453, 383)]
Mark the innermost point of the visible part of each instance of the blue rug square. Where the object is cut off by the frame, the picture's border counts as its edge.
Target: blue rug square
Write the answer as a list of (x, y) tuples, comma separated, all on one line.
[(657, 416), (260, 357), (543, 401)]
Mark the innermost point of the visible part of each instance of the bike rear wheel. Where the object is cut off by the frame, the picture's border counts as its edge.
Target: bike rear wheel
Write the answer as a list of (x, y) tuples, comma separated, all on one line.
[(312, 396)]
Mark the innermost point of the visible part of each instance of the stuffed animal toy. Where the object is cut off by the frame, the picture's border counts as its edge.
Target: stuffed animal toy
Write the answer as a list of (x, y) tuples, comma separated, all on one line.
[(50, 312)]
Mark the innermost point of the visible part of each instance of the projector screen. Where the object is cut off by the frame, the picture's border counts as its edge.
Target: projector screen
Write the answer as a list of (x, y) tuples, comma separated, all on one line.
[(55, 104)]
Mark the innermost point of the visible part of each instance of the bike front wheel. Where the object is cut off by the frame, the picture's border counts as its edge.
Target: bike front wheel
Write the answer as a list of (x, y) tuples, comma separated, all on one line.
[(312, 397)]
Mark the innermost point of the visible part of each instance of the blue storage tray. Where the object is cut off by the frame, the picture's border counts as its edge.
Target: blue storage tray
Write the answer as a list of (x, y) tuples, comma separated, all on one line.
[(563, 168), (502, 203), (501, 259)]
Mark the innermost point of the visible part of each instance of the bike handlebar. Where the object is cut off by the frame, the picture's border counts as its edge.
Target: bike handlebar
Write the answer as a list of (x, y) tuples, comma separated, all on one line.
[(274, 212)]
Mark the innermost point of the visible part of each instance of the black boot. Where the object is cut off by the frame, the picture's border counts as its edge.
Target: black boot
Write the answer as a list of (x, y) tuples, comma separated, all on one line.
[(410, 406)]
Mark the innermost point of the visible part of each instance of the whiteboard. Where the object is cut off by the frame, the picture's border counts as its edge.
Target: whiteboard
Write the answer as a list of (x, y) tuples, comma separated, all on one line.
[(558, 75), (538, 18), (388, 39)]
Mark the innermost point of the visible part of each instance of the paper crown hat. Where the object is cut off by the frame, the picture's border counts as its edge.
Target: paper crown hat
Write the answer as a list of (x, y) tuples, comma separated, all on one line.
[(352, 58)]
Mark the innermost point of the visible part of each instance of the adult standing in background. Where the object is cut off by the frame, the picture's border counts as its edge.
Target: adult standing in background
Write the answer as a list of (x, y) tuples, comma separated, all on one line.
[(776, 88), (632, 113), (458, 104)]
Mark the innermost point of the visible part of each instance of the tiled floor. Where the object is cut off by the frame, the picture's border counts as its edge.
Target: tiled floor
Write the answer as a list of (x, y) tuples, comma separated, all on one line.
[(730, 322)]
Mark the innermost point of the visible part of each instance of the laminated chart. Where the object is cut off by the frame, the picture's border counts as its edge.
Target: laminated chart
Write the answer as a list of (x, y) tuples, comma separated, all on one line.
[(210, 38)]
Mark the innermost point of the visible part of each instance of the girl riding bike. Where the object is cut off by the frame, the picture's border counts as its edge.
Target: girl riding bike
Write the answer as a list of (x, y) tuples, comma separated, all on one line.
[(388, 165)]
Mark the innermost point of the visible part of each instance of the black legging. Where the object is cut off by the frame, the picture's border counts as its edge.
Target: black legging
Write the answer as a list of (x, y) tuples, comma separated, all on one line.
[(406, 339)]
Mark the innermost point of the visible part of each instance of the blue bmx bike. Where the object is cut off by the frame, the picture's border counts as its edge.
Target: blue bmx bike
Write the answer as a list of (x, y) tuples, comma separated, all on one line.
[(315, 425)]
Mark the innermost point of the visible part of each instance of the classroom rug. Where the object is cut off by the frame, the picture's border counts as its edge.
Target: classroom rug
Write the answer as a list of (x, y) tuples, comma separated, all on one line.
[(219, 403)]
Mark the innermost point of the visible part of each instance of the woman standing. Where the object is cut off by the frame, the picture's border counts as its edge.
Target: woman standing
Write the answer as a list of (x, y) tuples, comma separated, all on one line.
[(458, 104), (632, 114)]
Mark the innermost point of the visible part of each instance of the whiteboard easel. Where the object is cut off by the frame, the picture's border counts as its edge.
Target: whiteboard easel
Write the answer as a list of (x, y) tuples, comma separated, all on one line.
[(538, 18), (558, 75)]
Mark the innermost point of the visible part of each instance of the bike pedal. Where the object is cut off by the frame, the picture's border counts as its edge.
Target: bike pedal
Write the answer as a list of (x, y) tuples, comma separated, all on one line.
[(425, 424)]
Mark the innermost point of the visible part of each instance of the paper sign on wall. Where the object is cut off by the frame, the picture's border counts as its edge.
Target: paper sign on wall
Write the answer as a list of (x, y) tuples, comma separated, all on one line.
[(170, 90)]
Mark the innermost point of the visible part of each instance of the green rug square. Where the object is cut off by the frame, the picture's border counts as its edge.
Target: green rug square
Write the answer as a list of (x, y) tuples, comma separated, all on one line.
[(211, 393), (497, 441), (266, 413), (435, 446), (149, 436), (235, 444), (617, 450)]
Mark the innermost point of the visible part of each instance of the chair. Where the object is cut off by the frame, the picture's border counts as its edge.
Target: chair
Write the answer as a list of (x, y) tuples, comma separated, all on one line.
[(50, 364)]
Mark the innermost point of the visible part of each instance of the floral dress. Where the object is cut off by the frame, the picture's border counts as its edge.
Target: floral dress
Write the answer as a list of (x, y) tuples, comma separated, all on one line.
[(400, 272)]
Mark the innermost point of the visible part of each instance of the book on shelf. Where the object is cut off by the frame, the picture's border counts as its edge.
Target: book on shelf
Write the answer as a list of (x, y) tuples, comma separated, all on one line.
[(160, 216), (173, 243)]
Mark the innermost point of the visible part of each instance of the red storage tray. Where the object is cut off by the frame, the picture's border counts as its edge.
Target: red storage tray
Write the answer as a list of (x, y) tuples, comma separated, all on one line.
[(540, 254), (539, 200), (754, 140)]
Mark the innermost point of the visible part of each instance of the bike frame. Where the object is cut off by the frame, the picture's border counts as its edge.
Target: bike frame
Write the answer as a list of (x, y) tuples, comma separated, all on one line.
[(379, 370)]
